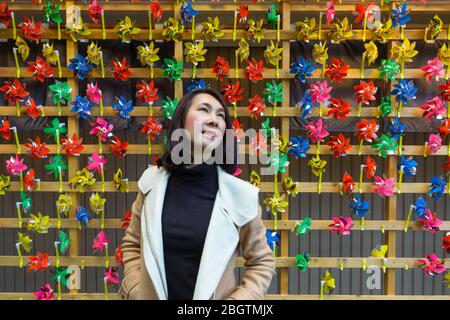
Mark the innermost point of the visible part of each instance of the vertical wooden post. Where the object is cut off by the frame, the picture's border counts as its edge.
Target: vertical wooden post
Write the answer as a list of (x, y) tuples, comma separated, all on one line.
[(73, 162)]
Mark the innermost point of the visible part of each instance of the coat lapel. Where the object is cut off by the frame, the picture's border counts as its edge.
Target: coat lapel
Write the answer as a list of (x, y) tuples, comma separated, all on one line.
[(236, 204)]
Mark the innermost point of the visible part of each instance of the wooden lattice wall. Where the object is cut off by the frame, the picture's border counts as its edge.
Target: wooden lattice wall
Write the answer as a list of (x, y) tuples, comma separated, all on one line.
[(389, 227)]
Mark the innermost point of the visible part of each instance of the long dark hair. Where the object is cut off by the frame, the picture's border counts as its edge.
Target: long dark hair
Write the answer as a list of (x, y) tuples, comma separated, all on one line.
[(178, 122)]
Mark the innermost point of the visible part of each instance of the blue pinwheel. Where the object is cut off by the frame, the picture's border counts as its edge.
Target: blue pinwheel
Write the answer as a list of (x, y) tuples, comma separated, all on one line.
[(197, 85), (123, 107), (187, 11), (83, 216), (421, 206), (404, 91), (272, 238), (396, 129), (359, 207), (81, 66), (302, 68), (409, 166), (299, 147), (400, 15), (82, 107), (306, 104), (437, 187)]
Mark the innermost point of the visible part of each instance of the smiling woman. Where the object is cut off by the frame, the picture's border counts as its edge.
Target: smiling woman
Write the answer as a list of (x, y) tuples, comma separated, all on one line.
[(190, 219)]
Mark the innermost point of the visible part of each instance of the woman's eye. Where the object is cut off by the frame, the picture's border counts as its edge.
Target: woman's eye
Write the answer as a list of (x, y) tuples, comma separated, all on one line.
[(222, 115)]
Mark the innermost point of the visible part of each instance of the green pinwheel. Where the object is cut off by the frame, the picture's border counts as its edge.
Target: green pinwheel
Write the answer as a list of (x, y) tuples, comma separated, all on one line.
[(388, 69), (266, 129), (51, 14), (63, 242), (168, 108), (56, 165), (56, 129), (61, 93), (172, 69), (385, 145), (303, 261), (26, 201), (304, 226), (272, 18), (273, 93), (385, 107), (278, 162)]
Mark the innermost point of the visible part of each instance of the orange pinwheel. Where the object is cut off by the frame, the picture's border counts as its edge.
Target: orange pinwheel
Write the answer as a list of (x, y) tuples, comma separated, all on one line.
[(254, 70), (367, 130), (347, 183), (339, 145), (256, 106), (221, 68), (126, 219), (5, 130), (32, 110), (371, 167), (72, 147), (37, 149), (41, 69), (118, 147), (147, 92), (31, 29), (337, 70), (29, 182), (232, 92), (120, 69), (338, 108), (14, 91), (444, 128), (151, 127), (39, 262)]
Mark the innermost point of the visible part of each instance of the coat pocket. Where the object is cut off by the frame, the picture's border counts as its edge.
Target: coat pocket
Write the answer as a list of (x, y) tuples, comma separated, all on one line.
[(129, 287)]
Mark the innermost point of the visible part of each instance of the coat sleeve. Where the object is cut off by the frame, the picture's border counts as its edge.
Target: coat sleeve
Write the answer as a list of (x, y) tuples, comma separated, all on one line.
[(131, 250), (259, 261)]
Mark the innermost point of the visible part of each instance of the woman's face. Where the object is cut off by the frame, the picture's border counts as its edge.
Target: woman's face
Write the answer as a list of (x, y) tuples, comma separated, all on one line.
[(205, 121)]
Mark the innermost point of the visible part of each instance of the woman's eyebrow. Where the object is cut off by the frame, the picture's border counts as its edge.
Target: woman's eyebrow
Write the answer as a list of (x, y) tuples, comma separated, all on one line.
[(209, 106)]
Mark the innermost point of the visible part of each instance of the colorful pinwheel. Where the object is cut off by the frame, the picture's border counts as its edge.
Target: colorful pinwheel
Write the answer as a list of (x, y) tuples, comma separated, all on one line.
[(120, 69), (123, 107), (432, 265), (302, 68), (341, 225)]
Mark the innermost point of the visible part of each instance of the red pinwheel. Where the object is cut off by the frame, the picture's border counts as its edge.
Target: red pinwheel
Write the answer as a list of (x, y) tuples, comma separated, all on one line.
[(40, 69), (120, 69), (29, 182), (371, 167), (337, 70), (72, 147), (256, 106), (338, 108), (232, 92), (118, 147), (39, 262), (221, 68), (151, 127), (347, 183), (33, 110), (111, 276), (446, 242), (444, 128), (238, 129), (118, 255), (365, 92), (37, 149), (31, 29), (147, 92), (156, 10), (5, 129), (259, 143), (126, 219), (243, 13), (445, 91), (95, 11), (360, 11), (433, 108), (367, 130), (339, 145), (5, 14), (14, 91), (254, 70)]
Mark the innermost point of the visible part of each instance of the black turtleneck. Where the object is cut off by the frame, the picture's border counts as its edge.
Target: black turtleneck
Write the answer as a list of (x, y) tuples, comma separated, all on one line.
[(188, 203)]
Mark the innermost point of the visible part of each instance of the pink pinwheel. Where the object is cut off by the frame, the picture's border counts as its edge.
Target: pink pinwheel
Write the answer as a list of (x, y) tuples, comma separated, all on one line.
[(433, 108), (96, 162), (384, 187), (103, 128), (365, 92), (44, 293), (15, 166), (434, 143), (433, 70), (320, 91), (341, 225), (93, 92), (100, 241), (331, 11), (316, 130), (259, 143), (111, 276), (431, 222), (432, 265)]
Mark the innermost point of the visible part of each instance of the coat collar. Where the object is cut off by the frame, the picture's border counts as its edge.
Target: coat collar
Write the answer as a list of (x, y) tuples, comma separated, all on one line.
[(235, 205)]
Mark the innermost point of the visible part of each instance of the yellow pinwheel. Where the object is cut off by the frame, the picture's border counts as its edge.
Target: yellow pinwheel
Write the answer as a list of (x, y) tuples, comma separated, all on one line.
[(82, 179), (340, 30), (49, 53), (318, 168), (77, 29), (5, 183), (97, 204), (126, 29), (120, 184), (194, 53), (24, 242), (371, 54), (212, 30), (272, 55), (254, 30), (290, 187), (434, 28), (327, 284), (39, 223), (63, 205), (255, 179), (320, 55), (148, 55), (384, 32), (403, 52), (276, 204), (172, 30), (22, 48), (93, 53), (306, 29), (444, 56)]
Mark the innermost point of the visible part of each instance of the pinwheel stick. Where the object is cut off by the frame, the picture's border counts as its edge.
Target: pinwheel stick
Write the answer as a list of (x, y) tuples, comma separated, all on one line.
[(59, 287), (106, 288), (365, 26), (446, 72), (402, 70), (399, 109), (323, 70), (19, 214), (234, 26), (341, 188), (57, 140), (106, 255), (194, 70), (362, 224), (57, 253), (448, 32), (100, 145), (150, 32), (17, 63), (16, 137), (237, 65), (408, 219), (274, 111), (319, 35), (322, 284), (234, 110), (193, 29), (400, 146), (150, 108), (358, 112), (58, 25), (361, 171), (19, 253), (59, 108), (149, 143), (13, 25), (18, 108), (101, 107), (103, 177), (448, 109), (58, 223), (21, 181), (60, 179), (400, 178), (320, 109), (102, 221), (102, 67), (319, 187), (58, 61), (318, 149), (278, 27), (363, 61), (360, 147), (402, 32)]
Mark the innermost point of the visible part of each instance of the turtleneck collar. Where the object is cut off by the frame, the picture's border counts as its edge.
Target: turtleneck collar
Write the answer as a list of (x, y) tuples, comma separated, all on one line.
[(194, 173)]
